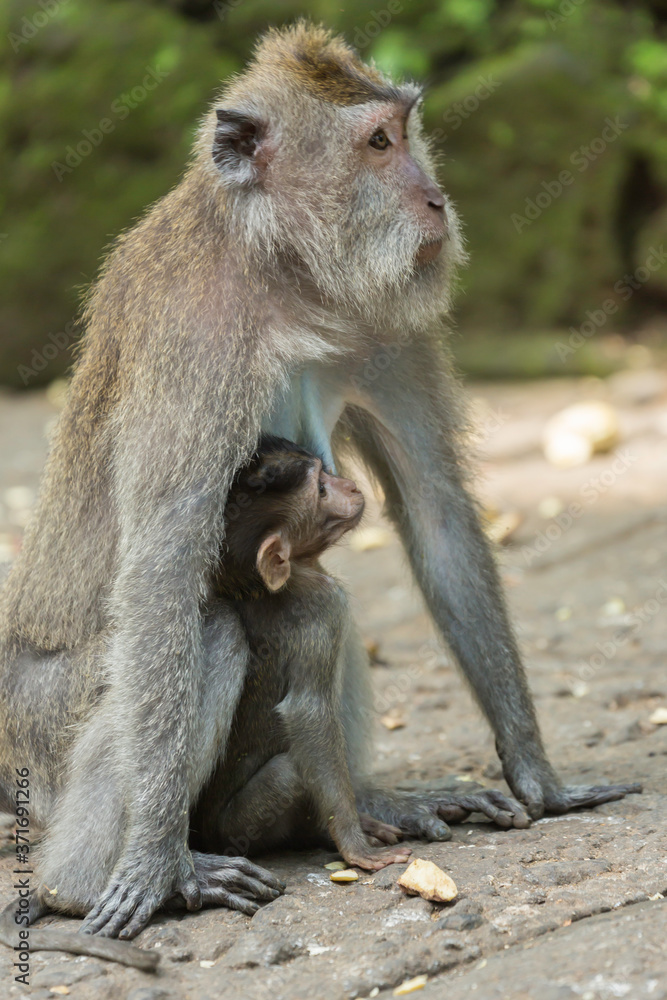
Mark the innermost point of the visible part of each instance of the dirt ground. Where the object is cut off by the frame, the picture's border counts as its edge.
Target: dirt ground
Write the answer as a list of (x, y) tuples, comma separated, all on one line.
[(571, 908)]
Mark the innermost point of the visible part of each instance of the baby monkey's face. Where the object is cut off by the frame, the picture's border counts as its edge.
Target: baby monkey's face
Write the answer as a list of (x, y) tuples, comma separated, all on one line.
[(283, 511), (332, 506), (310, 518)]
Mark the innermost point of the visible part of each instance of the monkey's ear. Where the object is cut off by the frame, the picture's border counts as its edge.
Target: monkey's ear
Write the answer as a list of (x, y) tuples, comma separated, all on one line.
[(273, 561), (238, 147)]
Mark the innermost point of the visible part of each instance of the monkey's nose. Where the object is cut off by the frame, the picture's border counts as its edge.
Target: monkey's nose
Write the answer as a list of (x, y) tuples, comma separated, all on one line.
[(435, 197)]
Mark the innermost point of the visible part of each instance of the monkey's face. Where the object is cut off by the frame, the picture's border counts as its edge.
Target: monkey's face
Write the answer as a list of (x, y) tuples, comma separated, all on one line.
[(327, 172), (337, 507), (313, 518), (384, 151), (365, 214)]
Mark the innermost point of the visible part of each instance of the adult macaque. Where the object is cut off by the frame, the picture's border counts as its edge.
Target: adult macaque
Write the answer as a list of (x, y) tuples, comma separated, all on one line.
[(307, 235)]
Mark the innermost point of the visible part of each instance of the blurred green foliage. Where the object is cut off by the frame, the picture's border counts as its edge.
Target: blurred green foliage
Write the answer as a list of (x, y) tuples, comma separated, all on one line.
[(102, 97)]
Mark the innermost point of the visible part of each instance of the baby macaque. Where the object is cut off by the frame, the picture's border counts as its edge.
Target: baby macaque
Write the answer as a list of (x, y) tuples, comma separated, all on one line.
[(284, 776)]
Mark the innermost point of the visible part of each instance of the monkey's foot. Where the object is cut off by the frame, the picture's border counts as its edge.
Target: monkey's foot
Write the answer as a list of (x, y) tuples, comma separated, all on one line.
[(537, 785), (426, 814), (234, 882), (586, 796), (139, 886), (372, 860), (379, 833)]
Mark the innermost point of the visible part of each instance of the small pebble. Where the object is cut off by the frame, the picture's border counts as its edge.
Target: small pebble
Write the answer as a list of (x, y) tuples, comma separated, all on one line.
[(549, 507), (394, 719), (659, 717), (425, 879), (18, 498), (615, 606)]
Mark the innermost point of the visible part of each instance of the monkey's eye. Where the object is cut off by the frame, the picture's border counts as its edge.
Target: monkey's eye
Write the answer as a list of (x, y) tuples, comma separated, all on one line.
[(322, 489), (379, 139)]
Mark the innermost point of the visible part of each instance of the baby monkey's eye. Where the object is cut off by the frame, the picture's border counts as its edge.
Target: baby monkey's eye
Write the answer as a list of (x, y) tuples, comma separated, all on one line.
[(322, 489), (379, 139)]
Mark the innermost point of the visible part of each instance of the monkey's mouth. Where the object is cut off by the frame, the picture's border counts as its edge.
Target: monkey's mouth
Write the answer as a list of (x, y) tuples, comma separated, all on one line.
[(342, 525), (429, 251)]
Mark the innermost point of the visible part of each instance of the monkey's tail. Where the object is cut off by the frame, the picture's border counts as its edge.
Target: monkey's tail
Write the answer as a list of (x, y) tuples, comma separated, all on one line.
[(75, 944)]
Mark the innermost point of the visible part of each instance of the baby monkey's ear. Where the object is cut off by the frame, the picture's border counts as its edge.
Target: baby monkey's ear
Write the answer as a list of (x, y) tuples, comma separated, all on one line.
[(273, 561)]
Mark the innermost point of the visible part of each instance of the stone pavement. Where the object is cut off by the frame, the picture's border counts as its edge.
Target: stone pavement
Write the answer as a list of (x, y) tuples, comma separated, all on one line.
[(571, 908)]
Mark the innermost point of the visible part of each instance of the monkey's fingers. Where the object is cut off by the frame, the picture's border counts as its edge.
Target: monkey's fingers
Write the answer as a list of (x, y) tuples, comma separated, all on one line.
[(422, 823), (587, 796), (209, 867), (375, 860), (138, 921), (379, 833), (503, 811), (111, 903), (243, 885), (220, 897)]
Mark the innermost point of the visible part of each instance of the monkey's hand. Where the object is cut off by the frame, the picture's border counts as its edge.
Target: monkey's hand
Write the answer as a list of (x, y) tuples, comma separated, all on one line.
[(379, 833), (234, 882), (372, 859), (535, 783), (141, 882)]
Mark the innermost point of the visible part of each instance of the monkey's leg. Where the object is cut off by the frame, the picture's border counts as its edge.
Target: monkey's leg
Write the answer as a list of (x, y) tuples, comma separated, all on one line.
[(274, 809), (87, 834), (311, 713), (406, 431)]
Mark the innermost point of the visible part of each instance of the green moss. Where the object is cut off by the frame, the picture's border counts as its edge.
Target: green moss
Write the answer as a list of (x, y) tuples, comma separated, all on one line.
[(534, 86)]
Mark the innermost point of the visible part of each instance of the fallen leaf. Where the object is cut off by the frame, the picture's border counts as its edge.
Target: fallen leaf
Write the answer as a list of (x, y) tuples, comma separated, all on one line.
[(373, 650), (410, 986), (425, 879), (501, 528), (61, 991), (206, 964), (336, 866)]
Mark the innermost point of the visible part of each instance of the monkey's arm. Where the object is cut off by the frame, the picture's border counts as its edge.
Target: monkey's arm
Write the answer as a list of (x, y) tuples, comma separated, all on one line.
[(179, 443), (406, 430), (311, 714)]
